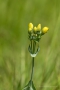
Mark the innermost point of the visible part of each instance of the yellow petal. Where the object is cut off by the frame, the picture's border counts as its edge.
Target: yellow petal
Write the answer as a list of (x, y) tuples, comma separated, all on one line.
[(38, 27), (45, 29), (30, 29), (35, 28), (30, 26)]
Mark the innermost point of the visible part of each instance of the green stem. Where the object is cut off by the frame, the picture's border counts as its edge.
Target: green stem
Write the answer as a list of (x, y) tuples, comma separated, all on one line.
[(32, 68), (33, 49)]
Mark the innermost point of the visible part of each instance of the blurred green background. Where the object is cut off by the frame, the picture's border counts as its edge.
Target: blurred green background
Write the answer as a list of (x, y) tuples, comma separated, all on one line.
[(15, 60)]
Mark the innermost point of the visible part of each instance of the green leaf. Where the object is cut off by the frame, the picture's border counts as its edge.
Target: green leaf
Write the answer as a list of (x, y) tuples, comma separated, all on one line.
[(29, 86), (35, 53)]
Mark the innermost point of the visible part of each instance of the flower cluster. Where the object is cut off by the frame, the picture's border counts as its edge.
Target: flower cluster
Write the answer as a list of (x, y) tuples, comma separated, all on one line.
[(35, 33)]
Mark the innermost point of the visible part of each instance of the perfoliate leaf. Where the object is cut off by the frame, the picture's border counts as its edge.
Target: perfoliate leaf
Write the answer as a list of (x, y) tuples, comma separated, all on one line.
[(35, 53), (29, 86)]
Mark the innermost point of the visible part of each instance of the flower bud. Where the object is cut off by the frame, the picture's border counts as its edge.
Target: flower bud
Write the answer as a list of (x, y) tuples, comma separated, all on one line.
[(45, 29), (30, 26), (38, 27), (35, 29)]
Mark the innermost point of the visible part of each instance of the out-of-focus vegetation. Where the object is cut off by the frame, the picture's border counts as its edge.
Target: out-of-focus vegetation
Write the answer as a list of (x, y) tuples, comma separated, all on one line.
[(15, 60)]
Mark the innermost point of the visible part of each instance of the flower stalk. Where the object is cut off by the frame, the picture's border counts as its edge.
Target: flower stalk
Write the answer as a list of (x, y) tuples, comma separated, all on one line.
[(33, 49), (32, 69), (34, 35)]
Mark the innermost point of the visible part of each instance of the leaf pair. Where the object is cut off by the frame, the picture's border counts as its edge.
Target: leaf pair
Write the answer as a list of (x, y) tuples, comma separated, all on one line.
[(29, 86)]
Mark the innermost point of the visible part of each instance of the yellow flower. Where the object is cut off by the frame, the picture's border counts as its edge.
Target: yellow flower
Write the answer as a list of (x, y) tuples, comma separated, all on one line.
[(45, 29), (35, 28), (30, 26), (38, 27)]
